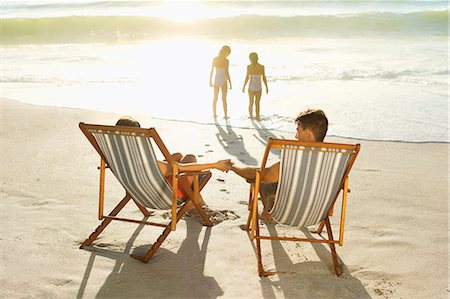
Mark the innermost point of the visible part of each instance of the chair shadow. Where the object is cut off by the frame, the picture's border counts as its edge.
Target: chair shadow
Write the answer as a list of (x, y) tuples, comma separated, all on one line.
[(306, 279), (234, 144), (166, 275)]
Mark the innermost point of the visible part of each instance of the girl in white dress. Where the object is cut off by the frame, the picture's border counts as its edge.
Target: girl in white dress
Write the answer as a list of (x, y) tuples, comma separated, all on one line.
[(222, 76)]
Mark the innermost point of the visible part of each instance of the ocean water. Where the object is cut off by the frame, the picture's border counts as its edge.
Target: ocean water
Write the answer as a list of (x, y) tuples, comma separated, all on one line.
[(379, 69)]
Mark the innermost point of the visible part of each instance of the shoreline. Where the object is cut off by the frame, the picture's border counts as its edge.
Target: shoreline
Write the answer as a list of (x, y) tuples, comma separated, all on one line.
[(396, 230), (220, 121)]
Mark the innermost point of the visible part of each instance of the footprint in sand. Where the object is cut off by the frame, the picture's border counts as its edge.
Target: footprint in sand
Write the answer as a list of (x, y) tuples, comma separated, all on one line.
[(385, 288), (216, 216), (199, 155), (221, 180), (209, 151)]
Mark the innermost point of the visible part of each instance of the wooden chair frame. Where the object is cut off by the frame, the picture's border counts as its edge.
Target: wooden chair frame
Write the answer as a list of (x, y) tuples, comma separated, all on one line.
[(253, 223), (177, 213)]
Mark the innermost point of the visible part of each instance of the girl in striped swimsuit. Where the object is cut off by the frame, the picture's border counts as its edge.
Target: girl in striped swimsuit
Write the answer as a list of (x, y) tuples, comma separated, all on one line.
[(255, 73)]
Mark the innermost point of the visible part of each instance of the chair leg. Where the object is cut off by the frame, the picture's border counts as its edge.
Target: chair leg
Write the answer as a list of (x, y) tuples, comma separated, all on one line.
[(319, 229), (258, 251), (145, 258), (261, 271), (106, 221), (142, 208), (334, 256)]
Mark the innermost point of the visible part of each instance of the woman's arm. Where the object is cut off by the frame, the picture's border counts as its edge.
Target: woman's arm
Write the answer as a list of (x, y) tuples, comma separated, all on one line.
[(222, 165)]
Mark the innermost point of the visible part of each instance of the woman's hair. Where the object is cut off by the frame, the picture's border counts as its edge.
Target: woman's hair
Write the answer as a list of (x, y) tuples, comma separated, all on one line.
[(253, 58), (128, 121), (226, 50)]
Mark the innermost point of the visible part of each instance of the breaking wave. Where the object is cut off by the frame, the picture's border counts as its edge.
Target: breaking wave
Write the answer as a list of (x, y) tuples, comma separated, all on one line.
[(77, 29)]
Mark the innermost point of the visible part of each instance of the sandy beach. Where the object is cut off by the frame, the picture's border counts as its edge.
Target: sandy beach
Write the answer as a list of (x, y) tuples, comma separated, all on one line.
[(396, 237)]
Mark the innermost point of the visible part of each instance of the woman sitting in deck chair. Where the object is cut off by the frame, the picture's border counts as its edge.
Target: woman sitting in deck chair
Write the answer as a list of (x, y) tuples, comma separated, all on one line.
[(185, 163)]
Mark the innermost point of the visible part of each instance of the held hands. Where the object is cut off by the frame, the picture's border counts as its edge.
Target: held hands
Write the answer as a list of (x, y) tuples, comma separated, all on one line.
[(224, 165), (210, 83), (267, 90)]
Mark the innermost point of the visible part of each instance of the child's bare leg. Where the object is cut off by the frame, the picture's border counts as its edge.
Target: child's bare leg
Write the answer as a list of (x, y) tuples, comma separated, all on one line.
[(224, 99), (257, 101), (250, 104), (216, 97)]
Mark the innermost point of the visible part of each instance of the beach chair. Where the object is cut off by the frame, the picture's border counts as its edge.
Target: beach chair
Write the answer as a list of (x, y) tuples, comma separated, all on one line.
[(129, 154), (312, 174)]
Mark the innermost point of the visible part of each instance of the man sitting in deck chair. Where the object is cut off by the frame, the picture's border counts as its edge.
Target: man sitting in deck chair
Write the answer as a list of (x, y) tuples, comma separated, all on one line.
[(185, 163), (312, 126)]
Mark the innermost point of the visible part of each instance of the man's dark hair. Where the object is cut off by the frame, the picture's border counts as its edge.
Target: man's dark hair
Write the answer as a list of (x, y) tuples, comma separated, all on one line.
[(315, 120), (128, 121)]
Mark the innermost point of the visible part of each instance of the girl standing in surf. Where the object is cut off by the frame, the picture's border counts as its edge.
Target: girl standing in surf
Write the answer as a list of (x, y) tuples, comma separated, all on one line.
[(222, 77), (255, 73)]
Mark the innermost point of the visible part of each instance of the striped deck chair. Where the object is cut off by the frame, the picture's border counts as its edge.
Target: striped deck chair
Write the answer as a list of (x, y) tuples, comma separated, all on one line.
[(312, 174), (128, 153)]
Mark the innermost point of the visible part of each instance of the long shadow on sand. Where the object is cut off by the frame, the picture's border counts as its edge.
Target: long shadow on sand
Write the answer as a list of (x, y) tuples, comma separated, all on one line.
[(264, 134), (167, 275), (234, 144), (309, 279)]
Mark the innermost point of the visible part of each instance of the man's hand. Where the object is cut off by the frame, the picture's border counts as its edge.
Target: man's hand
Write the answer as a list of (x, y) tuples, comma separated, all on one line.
[(224, 165)]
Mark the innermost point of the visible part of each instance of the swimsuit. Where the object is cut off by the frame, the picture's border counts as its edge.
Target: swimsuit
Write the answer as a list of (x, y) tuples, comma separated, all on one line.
[(181, 193), (267, 192), (255, 83), (221, 76)]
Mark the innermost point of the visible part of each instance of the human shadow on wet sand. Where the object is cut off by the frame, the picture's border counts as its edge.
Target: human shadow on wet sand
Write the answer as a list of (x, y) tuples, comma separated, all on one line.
[(234, 144), (167, 275), (264, 135), (306, 279)]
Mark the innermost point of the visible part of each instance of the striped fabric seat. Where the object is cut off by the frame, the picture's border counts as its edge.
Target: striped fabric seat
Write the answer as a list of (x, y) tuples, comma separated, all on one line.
[(131, 158), (309, 181)]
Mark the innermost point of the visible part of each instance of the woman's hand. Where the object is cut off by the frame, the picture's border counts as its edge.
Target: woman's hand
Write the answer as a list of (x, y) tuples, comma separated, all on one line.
[(224, 165)]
